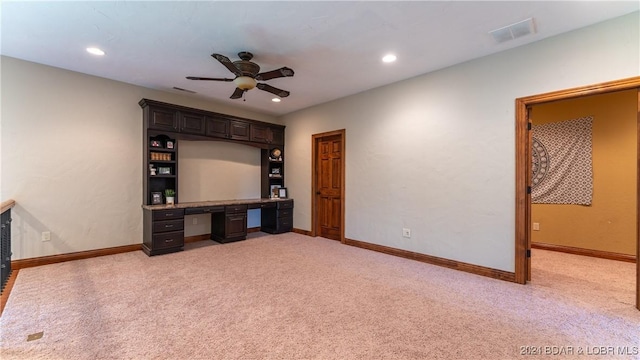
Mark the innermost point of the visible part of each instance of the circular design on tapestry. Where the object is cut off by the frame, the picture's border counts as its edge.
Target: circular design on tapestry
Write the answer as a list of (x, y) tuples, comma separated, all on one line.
[(539, 162)]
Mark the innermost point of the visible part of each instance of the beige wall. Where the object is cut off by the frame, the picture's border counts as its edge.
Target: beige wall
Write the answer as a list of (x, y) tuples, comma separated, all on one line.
[(609, 224), (436, 153), (72, 158)]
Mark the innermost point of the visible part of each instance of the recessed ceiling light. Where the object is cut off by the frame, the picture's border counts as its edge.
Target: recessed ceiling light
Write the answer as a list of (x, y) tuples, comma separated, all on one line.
[(275, 100), (389, 58), (95, 51)]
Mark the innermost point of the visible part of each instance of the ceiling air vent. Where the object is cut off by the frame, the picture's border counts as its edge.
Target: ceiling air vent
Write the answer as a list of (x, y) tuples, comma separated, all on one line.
[(185, 90), (513, 31)]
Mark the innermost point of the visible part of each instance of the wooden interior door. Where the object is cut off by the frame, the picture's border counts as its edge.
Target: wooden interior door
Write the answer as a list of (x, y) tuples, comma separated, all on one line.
[(523, 169), (528, 198), (638, 211), (328, 204)]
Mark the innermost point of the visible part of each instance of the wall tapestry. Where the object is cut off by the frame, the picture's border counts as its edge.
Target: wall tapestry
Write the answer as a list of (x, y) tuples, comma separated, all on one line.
[(561, 164)]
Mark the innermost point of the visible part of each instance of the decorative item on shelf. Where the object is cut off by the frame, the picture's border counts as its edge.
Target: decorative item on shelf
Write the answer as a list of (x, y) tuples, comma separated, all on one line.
[(274, 191), (155, 156), (152, 170), (275, 155), (169, 144), (156, 198), (155, 143), (164, 170), (275, 173), (282, 193), (170, 194)]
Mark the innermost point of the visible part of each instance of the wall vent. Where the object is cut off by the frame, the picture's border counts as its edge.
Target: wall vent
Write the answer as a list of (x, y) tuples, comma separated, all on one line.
[(514, 31)]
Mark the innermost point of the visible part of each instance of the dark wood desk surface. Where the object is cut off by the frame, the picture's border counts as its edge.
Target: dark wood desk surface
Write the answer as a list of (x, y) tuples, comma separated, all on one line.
[(197, 204)]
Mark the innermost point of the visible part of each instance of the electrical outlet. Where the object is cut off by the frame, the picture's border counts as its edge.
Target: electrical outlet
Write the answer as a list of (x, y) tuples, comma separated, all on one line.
[(195, 221), (46, 235), (536, 226), (406, 232)]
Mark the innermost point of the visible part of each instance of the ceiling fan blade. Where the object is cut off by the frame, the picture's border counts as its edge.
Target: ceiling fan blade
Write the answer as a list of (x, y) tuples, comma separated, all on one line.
[(227, 63), (206, 78), (237, 94), (282, 72), (273, 90)]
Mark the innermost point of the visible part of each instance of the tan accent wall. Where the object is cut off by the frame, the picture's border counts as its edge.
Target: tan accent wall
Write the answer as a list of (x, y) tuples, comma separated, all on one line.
[(609, 224)]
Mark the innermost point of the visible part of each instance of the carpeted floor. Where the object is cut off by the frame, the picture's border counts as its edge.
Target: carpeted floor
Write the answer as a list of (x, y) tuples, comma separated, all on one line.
[(294, 297)]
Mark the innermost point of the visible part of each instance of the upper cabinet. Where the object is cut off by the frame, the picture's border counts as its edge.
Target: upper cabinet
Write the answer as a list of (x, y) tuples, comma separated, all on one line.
[(191, 123), (202, 125), (267, 134), (217, 127), (239, 130), (259, 133), (277, 135), (162, 119)]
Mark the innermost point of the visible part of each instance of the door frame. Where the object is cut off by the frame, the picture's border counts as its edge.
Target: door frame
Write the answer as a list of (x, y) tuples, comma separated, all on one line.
[(315, 139), (523, 168)]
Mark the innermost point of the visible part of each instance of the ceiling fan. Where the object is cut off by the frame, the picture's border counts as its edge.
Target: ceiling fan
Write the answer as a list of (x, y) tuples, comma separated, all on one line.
[(247, 72)]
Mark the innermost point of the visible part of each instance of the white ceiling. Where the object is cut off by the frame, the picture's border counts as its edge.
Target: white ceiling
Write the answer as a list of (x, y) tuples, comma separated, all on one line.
[(334, 47)]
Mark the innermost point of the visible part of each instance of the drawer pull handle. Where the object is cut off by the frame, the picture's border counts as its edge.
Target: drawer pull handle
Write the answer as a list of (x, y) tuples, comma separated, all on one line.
[(168, 240), (169, 214), (169, 226)]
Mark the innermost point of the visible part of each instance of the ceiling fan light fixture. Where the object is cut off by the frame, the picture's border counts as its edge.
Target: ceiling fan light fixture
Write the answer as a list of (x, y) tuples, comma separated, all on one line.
[(245, 82)]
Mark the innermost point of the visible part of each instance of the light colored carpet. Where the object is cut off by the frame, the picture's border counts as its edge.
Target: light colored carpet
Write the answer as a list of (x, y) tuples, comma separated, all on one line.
[(295, 297)]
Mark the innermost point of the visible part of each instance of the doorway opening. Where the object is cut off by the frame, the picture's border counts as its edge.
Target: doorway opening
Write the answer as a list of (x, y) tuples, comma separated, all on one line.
[(523, 170), (328, 185)]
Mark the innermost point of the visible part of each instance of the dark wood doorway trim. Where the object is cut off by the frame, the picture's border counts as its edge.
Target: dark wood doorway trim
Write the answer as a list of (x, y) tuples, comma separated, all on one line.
[(314, 186), (523, 168)]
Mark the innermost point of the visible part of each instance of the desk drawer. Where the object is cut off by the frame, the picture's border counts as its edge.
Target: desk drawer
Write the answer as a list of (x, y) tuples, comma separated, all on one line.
[(168, 225), (168, 214), (234, 209), (268, 205), (203, 210), (285, 224), (285, 213), (285, 204), (168, 240)]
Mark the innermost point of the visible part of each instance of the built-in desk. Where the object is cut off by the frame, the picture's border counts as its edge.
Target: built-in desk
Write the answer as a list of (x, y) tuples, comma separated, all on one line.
[(163, 230)]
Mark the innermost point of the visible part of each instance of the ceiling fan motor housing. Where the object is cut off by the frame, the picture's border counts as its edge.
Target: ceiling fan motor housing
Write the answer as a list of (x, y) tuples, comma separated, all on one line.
[(247, 68)]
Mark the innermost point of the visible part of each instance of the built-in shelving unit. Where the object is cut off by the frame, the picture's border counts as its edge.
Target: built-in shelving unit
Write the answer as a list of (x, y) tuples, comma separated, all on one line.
[(165, 125), (162, 168)]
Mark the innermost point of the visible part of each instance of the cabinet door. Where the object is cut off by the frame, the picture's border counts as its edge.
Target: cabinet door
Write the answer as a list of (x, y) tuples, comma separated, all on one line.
[(217, 127), (259, 133), (236, 225), (162, 119), (191, 123), (277, 136), (239, 130)]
